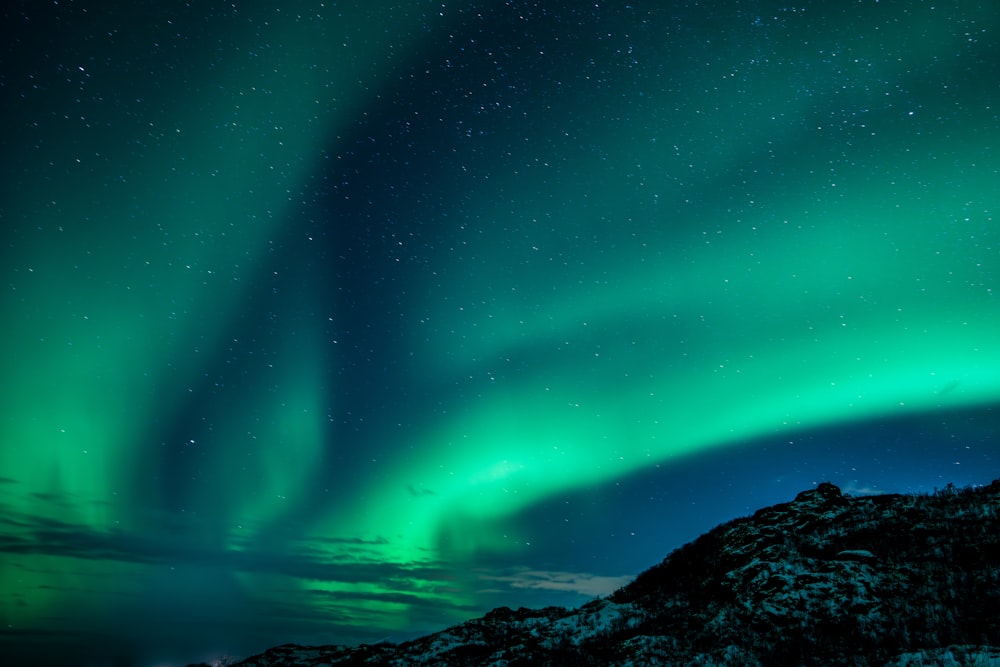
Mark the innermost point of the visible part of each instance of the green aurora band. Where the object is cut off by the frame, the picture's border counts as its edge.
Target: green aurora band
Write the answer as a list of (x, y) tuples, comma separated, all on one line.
[(134, 256), (727, 270)]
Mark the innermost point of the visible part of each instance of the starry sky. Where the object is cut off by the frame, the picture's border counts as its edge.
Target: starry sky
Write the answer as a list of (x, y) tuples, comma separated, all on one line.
[(339, 322)]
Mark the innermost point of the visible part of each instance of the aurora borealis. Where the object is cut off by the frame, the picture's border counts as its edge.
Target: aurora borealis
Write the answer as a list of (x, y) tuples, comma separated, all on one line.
[(336, 322)]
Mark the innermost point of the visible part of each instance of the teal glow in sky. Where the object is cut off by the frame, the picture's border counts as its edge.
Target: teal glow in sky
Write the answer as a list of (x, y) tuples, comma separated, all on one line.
[(333, 323)]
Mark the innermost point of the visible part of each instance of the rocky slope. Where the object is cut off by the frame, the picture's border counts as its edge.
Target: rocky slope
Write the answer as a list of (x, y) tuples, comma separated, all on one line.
[(826, 579)]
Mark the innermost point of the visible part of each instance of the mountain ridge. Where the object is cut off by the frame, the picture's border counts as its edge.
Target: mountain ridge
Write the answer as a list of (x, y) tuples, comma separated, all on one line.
[(895, 580)]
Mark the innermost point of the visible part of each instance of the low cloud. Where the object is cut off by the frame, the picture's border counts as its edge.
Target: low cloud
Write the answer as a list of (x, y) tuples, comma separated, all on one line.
[(584, 583), (853, 489)]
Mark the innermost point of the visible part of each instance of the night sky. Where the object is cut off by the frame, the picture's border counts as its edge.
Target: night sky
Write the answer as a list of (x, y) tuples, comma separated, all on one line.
[(335, 322)]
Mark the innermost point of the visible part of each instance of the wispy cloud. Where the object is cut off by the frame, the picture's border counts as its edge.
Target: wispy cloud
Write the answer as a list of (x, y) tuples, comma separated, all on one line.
[(583, 583), (853, 489), (350, 585), (328, 559)]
